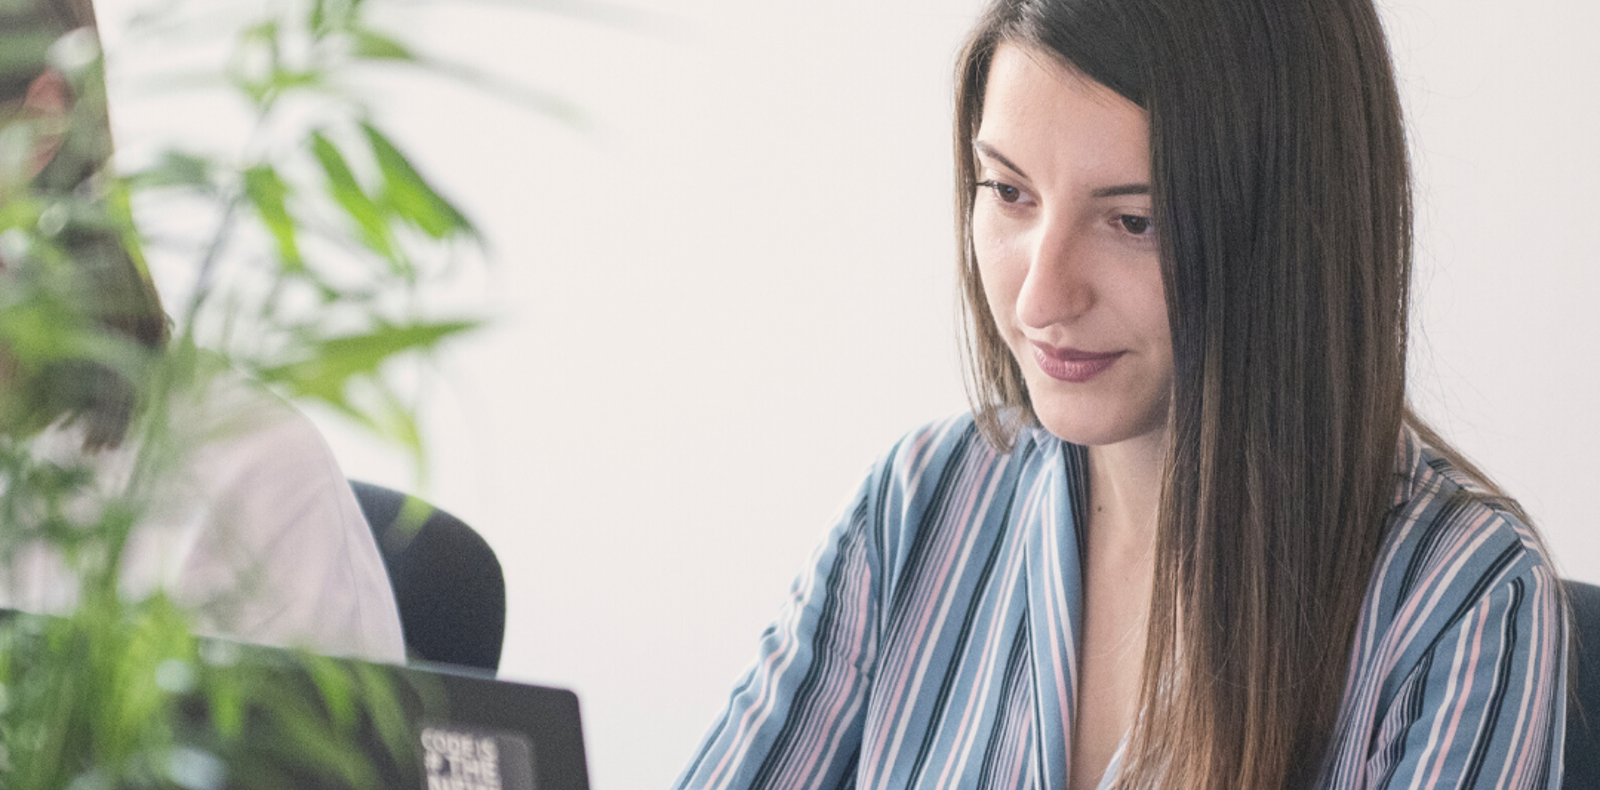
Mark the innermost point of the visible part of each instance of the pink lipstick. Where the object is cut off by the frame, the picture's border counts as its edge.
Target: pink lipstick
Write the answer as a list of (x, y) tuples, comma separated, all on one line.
[(1070, 364)]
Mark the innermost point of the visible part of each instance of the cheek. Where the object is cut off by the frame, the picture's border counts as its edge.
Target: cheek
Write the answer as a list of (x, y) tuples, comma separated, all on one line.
[(1149, 311), (1153, 309), (1000, 267)]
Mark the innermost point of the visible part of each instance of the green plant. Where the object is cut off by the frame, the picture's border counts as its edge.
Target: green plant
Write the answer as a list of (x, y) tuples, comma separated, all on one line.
[(322, 236), (354, 231)]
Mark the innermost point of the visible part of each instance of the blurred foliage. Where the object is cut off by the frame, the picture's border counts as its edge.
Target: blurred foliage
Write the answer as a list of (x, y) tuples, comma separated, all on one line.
[(323, 234), (144, 704), (355, 230)]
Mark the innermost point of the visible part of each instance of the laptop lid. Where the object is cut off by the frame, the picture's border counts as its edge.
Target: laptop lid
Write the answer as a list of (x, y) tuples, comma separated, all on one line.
[(492, 734), (418, 727)]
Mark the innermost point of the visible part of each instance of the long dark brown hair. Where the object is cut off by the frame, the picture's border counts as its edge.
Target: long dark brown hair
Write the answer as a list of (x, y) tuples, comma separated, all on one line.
[(1282, 199), (110, 287)]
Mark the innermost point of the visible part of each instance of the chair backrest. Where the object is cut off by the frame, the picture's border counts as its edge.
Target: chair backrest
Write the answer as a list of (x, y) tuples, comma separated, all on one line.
[(447, 581), (1583, 719)]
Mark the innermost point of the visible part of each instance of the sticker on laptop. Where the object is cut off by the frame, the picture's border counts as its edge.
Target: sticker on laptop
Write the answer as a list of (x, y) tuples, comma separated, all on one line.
[(468, 758)]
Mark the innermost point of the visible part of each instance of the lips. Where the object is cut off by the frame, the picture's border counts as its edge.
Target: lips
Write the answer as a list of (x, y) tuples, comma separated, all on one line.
[(1071, 364)]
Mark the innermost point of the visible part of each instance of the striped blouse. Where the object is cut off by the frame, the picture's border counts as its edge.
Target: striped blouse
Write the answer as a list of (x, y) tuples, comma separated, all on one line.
[(931, 644)]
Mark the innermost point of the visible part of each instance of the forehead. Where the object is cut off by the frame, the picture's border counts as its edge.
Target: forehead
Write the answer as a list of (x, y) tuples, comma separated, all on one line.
[(1040, 109)]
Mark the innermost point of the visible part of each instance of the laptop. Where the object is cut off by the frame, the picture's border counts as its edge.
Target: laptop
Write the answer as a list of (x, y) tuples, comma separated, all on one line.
[(494, 735), (463, 730), (418, 727)]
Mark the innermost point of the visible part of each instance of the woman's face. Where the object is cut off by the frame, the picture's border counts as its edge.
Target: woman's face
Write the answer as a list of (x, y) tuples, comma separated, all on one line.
[(32, 128), (1067, 249)]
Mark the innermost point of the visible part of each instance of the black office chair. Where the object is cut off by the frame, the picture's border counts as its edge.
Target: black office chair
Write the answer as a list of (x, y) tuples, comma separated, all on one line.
[(1583, 719), (447, 581)]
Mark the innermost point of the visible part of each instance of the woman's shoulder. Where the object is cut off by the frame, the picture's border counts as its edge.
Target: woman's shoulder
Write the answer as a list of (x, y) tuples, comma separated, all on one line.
[(1462, 625), (946, 472), (1450, 544), (221, 403), (218, 410), (955, 447), (959, 437)]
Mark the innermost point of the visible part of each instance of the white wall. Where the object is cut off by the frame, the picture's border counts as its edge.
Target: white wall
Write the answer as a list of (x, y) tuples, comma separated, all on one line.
[(1504, 108), (723, 299)]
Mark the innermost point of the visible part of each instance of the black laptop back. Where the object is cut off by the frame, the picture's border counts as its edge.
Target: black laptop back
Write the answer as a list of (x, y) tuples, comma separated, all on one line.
[(494, 735), (417, 727), (424, 728)]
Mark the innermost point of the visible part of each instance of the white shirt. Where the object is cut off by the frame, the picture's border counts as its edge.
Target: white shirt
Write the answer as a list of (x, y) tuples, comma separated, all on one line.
[(254, 529)]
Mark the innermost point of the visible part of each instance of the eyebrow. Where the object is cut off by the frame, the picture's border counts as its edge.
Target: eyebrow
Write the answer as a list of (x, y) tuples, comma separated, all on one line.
[(1120, 190), (988, 150)]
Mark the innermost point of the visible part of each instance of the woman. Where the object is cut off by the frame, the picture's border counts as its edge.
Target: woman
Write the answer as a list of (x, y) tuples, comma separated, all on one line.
[(1190, 536), (250, 523)]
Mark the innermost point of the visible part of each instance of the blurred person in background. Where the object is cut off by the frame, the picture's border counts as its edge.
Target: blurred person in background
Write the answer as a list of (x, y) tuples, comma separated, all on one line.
[(254, 528)]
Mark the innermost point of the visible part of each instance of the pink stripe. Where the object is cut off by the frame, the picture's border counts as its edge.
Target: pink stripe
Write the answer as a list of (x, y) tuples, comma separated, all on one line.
[(1064, 673), (1460, 541), (1540, 686), (811, 750), (1020, 762), (901, 684), (993, 645), (1015, 723), (897, 669), (1071, 682), (748, 724), (922, 455), (1387, 648), (1410, 620), (1465, 689), (1530, 683), (944, 552), (1366, 630), (1361, 714)]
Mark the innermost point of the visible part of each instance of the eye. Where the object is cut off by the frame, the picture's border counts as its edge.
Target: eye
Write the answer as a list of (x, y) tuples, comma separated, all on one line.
[(1135, 224), (1005, 192)]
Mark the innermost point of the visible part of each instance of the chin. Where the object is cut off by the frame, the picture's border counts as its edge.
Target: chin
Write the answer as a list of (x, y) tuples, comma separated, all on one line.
[(1076, 432), (1097, 425)]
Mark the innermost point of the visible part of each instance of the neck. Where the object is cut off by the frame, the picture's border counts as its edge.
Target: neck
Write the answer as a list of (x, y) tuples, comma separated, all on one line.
[(1125, 486)]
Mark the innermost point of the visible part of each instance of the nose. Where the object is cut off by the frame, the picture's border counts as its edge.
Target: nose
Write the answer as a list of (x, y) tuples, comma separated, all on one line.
[(1057, 288)]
